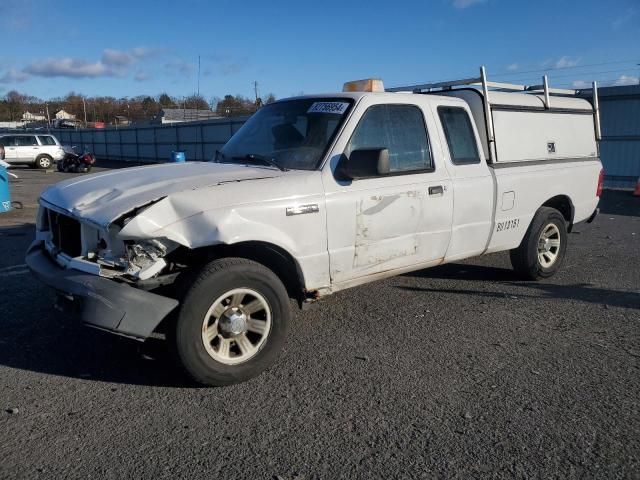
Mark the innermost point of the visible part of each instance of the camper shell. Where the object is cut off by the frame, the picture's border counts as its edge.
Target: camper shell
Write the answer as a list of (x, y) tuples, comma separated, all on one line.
[(520, 123)]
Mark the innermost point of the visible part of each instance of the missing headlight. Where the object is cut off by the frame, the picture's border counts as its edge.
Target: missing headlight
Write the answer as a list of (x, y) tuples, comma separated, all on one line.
[(146, 258)]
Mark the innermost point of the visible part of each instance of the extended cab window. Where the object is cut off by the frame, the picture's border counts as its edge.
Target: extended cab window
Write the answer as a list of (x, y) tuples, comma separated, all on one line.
[(459, 133), (400, 129)]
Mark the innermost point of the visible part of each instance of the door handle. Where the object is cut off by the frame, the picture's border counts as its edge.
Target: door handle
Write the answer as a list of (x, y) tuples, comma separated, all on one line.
[(437, 190)]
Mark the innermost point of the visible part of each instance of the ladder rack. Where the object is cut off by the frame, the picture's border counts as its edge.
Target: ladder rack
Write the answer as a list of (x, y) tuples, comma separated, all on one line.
[(482, 83)]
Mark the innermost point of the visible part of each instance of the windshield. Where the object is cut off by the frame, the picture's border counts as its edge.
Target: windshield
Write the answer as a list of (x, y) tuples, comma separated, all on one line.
[(293, 134)]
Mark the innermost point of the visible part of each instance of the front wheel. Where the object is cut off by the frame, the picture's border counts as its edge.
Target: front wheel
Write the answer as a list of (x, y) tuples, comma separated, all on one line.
[(543, 247), (232, 323)]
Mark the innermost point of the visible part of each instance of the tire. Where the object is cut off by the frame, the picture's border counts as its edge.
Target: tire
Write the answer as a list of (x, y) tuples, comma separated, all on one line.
[(543, 247), (59, 166), (44, 161), (265, 308)]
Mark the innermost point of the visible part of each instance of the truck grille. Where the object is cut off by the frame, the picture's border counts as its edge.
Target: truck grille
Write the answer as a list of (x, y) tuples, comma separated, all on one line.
[(65, 233)]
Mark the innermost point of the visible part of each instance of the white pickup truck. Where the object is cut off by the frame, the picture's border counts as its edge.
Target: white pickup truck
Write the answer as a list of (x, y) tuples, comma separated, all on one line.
[(313, 195)]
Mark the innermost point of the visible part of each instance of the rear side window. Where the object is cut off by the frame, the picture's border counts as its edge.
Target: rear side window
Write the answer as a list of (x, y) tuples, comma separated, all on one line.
[(460, 138), (400, 129), (8, 141), (26, 141), (46, 140)]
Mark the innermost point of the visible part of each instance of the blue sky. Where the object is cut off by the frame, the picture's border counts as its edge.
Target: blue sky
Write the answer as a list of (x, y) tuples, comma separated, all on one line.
[(118, 48)]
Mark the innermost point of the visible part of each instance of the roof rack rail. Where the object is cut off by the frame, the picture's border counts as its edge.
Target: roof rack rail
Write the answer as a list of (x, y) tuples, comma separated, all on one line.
[(485, 85)]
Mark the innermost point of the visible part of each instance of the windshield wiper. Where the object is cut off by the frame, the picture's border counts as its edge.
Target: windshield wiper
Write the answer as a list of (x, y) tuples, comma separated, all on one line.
[(254, 157)]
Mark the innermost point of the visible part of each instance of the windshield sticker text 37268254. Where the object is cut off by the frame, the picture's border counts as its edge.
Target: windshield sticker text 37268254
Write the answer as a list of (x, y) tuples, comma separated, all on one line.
[(328, 107)]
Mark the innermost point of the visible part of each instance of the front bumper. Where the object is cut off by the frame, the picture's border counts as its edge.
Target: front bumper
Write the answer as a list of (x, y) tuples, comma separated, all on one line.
[(100, 302)]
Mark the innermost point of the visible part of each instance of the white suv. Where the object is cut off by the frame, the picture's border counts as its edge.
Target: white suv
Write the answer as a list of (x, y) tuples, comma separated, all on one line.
[(34, 150)]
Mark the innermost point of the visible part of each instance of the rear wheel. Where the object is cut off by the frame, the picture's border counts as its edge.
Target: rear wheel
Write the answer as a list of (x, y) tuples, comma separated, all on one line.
[(543, 247), (232, 323), (44, 161)]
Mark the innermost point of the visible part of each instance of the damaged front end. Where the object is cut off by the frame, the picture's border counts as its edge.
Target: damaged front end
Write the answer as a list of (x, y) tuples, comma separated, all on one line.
[(90, 248), (93, 270)]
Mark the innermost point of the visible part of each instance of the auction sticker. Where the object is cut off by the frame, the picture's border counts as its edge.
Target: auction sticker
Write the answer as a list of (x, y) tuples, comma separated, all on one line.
[(328, 107)]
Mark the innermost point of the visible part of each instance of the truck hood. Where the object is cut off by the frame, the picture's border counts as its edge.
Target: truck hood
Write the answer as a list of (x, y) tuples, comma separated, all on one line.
[(104, 197)]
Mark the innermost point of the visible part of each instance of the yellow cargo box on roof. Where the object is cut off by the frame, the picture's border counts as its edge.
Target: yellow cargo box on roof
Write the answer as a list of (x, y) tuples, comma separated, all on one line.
[(366, 85)]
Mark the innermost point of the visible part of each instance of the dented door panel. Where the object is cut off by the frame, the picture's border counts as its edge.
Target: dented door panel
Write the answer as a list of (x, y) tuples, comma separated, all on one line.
[(387, 227), (392, 228)]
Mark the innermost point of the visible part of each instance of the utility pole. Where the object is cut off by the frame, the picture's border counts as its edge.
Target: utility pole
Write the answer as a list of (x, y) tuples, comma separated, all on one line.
[(84, 107), (198, 75), (255, 89), (48, 119)]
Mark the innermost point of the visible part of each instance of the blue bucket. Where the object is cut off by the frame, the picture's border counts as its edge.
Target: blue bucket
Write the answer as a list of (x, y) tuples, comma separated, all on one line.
[(178, 157), (5, 198)]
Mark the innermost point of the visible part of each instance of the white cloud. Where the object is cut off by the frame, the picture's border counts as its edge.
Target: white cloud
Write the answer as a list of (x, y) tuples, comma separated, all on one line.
[(13, 76), (112, 63), (116, 58), (580, 84), (513, 67), (626, 80), (566, 62), (619, 82), (143, 52), (461, 4), (67, 67)]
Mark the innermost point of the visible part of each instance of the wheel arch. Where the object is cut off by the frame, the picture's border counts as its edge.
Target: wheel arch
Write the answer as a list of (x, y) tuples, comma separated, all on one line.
[(564, 205), (272, 256)]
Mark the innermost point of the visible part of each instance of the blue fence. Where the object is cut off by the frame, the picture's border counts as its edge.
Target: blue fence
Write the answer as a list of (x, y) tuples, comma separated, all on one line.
[(620, 145), (154, 143)]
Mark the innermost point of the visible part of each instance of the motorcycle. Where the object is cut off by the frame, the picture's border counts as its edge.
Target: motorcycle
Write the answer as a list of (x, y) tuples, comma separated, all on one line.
[(75, 163)]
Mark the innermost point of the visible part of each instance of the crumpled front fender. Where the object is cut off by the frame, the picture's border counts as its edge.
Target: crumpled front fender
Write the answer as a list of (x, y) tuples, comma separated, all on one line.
[(170, 219)]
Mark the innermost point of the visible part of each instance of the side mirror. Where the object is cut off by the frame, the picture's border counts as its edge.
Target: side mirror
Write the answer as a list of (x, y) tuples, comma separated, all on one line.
[(366, 163)]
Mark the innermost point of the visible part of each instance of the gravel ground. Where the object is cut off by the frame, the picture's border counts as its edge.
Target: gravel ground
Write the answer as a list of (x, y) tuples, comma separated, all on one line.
[(457, 371)]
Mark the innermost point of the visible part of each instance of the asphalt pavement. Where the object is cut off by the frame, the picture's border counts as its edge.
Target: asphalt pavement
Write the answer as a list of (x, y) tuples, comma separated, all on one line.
[(459, 371)]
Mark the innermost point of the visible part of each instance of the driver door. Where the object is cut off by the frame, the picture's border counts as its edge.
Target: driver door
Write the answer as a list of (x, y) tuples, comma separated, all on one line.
[(398, 221)]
